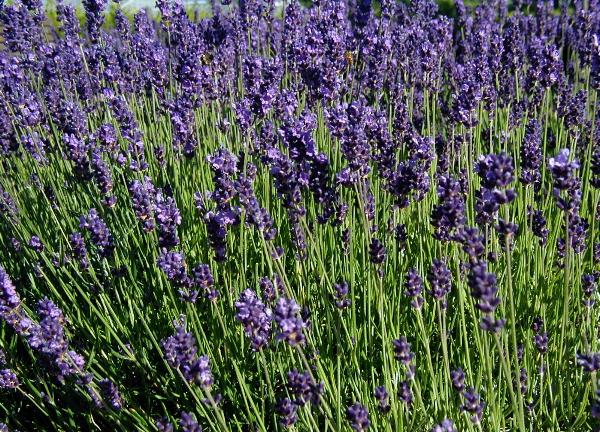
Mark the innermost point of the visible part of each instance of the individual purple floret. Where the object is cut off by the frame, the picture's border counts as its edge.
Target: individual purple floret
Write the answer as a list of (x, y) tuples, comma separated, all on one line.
[(413, 287), (181, 353), (304, 389), (382, 397), (101, 236), (341, 295), (110, 393), (287, 411), (358, 417), (8, 379), (255, 317), (188, 423), (291, 325)]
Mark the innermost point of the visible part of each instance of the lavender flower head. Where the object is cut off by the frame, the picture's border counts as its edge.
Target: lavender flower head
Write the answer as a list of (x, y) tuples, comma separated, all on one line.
[(413, 287), (304, 389), (181, 353), (101, 236), (358, 417), (440, 281), (446, 425), (8, 379), (291, 325), (255, 317), (341, 295)]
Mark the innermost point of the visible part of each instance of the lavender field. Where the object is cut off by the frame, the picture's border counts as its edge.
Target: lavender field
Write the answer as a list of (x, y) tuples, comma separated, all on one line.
[(344, 215)]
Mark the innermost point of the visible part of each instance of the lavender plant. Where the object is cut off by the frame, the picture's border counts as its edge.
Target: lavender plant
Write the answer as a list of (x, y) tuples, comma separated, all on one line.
[(335, 216)]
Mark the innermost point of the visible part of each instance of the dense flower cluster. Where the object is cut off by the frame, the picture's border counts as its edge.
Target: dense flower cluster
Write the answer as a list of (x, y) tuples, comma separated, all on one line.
[(392, 167)]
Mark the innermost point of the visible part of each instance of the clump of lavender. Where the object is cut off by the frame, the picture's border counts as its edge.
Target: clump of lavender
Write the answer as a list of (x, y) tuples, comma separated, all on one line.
[(255, 317), (181, 353), (291, 324), (358, 417)]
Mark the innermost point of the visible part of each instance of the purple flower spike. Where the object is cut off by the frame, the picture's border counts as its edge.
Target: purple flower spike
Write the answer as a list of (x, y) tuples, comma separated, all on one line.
[(358, 417), (291, 325), (111, 394), (287, 411), (101, 236), (413, 287), (8, 379), (446, 425), (255, 317), (181, 353)]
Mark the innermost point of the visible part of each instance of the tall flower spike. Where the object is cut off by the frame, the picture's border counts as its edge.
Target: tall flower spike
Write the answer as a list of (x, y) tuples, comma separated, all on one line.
[(255, 317), (358, 417), (291, 325)]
